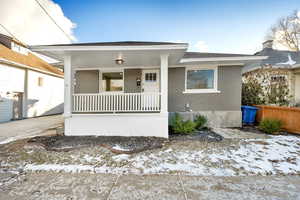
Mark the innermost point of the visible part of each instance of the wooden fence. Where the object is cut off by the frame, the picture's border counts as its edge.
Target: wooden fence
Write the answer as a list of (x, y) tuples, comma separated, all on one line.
[(289, 116)]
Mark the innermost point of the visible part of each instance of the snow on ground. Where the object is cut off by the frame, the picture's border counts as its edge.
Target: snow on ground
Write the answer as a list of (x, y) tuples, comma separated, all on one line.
[(119, 148), (276, 155)]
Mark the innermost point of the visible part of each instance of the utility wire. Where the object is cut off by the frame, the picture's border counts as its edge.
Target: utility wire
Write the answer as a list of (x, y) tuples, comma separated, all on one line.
[(53, 19)]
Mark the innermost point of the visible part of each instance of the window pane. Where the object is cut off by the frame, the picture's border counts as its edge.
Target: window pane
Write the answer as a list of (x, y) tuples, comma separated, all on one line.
[(200, 79), (154, 77), (112, 81)]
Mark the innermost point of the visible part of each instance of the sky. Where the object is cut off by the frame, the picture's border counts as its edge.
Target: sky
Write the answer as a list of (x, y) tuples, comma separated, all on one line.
[(229, 26)]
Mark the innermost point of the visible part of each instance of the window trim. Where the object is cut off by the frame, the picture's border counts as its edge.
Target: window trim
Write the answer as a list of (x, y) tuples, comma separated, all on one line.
[(193, 91), (101, 71)]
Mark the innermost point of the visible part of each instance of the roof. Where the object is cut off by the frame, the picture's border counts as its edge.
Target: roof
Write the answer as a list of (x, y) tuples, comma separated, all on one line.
[(13, 39), (30, 60), (212, 55), (120, 43), (276, 59)]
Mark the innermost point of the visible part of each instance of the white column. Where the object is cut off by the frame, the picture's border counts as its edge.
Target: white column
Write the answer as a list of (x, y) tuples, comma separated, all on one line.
[(25, 95), (164, 82), (68, 86)]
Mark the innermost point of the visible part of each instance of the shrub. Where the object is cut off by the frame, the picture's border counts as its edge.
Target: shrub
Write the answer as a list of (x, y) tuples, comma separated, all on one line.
[(200, 121), (270, 126), (181, 126)]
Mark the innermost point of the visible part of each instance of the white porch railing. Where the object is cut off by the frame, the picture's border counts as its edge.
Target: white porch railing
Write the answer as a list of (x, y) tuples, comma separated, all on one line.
[(116, 102)]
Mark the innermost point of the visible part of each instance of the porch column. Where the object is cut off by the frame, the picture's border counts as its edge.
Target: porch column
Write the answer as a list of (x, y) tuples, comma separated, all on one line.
[(164, 82), (68, 86)]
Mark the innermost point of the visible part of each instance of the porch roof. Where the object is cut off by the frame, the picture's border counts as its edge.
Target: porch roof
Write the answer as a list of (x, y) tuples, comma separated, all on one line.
[(104, 54)]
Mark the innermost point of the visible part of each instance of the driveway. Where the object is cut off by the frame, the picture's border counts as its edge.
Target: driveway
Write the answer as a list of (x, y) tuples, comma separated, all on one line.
[(20, 129), (107, 186)]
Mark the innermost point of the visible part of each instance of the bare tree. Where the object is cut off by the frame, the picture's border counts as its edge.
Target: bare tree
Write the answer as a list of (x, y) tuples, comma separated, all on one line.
[(287, 31)]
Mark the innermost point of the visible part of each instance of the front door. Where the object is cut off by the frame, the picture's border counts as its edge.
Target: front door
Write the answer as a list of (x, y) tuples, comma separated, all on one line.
[(150, 80)]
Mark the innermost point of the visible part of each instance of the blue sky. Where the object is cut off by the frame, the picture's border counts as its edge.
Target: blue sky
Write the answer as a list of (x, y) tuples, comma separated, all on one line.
[(234, 26)]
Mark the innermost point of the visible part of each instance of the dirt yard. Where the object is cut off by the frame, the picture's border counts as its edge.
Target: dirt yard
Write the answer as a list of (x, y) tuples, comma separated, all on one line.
[(266, 155)]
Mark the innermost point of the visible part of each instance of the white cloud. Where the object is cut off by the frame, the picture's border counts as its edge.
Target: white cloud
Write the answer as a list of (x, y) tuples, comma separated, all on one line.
[(30, 24), (201, 46)]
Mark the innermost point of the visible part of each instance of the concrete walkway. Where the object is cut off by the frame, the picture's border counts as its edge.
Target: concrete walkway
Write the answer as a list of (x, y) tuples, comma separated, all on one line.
[(133, 187), (21, 129)]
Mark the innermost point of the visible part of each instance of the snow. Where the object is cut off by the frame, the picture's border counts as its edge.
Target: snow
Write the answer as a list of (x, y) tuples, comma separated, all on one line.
[(289, 62), (275, 155), (119, 148), (58, 167)]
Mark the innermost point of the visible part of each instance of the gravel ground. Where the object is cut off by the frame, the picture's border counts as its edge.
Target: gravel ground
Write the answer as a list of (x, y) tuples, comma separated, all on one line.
[(190, 155)]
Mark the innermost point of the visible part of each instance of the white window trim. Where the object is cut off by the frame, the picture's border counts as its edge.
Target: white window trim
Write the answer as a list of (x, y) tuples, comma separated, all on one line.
[(107, 70), (195, 91)]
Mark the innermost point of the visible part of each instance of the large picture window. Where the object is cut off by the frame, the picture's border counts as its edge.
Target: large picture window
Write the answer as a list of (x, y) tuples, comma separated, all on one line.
[(201, 80), (112, 81)]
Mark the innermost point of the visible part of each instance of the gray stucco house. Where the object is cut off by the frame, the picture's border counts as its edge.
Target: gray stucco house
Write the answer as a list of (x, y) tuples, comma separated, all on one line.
[(131, 88), (280, 66)]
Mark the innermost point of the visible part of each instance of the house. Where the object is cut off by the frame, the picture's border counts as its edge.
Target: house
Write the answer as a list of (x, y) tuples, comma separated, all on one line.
[(280, 67), (29, 86), (131, 88)]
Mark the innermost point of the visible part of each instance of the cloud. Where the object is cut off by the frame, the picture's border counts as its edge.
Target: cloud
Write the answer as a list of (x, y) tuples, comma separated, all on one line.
[(29, 23), (201, 46)]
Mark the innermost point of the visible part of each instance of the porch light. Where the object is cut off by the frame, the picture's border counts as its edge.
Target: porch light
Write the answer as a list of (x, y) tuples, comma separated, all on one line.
[(119, 61)]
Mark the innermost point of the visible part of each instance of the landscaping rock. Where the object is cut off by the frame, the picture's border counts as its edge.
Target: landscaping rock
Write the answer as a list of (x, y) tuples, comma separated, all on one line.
[(202, 135)]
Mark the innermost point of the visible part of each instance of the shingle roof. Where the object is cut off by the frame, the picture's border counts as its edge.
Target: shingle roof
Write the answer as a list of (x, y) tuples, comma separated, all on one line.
[(276, 58), (121, 43), (29, 60), (211, 55)]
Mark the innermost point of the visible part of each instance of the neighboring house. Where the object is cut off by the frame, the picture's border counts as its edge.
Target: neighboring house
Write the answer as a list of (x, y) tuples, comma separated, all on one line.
[(29, 86), (282, 66), (131, 88)]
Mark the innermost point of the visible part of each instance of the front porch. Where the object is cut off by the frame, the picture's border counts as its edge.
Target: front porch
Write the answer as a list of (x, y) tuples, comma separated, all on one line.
[(116, 89), (112, 90)]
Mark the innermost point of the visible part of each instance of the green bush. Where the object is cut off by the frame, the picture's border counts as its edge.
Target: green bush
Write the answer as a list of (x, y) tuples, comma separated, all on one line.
[(200, 121), (180, 126), (270, 126)]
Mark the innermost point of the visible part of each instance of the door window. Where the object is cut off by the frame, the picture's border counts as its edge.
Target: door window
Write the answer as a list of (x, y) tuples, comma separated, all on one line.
[(150, 77)]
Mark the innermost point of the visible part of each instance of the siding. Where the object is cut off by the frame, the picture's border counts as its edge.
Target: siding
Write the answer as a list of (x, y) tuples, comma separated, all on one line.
[(11, 79), (297, 88), (87, 81), (229, 83), (130, 76), (5, 109), (47, 99)]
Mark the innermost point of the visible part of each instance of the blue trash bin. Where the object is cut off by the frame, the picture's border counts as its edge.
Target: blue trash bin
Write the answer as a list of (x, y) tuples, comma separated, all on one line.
[(249, 114)]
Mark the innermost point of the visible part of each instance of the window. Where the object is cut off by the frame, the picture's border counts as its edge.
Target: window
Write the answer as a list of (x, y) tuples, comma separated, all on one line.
[(277, 78), (40, 81), (112, 81), (201, 80), (18, 48), (150, 77)]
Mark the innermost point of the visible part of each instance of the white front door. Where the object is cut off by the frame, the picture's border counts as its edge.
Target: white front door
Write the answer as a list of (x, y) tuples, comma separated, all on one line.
[(150, 80)]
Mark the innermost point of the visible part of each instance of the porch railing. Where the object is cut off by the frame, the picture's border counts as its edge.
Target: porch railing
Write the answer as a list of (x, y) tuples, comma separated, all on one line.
[(116, 102)]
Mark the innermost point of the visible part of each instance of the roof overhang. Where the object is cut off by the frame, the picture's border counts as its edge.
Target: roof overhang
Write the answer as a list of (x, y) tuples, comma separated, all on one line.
[(242, 59), (108, 48), (297, 66), (8, 62), (104, 56)]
